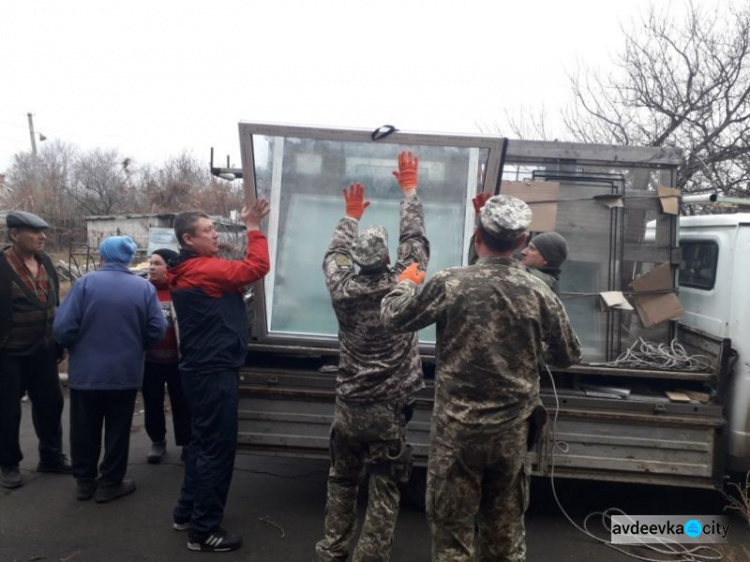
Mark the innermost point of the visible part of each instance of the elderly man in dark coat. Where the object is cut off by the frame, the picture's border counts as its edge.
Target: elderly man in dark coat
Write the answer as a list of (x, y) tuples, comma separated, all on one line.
[(29, 290)]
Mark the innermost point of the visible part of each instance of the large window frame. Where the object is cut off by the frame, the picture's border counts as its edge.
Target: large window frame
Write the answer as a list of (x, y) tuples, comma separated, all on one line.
[(491, 176), (643, 169)]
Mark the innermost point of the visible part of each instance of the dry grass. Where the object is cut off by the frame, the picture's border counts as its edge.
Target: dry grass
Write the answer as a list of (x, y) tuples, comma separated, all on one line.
[(732, 553), (740, 501)]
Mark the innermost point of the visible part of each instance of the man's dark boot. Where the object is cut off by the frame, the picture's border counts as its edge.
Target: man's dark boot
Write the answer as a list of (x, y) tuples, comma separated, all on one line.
[(108, 492), (60, 465), (85, 490), (10, 477)]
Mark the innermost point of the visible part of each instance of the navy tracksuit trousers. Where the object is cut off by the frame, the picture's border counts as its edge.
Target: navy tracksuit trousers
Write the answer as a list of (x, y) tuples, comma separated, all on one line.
[(213, 400)]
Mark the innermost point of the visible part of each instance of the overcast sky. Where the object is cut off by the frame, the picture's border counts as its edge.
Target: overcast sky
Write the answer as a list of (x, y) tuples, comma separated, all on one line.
[(152, 78)]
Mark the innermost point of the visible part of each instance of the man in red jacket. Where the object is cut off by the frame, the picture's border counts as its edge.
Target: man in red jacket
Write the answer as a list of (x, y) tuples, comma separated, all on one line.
[(207, 298)]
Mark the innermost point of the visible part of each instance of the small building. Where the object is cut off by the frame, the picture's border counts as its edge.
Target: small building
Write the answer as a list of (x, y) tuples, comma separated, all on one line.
[(99, 227), (150, 230)]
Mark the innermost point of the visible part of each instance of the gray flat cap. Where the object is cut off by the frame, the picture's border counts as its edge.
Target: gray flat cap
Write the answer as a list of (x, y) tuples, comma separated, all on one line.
[(22, 219), (370, 247), (505, 217)]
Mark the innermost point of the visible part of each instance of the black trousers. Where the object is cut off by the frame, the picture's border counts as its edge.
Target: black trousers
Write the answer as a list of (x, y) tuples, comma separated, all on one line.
[(90, 410), (155, 376), (37, 375)]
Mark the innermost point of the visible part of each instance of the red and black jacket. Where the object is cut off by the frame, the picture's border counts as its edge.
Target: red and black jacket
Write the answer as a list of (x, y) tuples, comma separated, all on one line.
[(207, 298)]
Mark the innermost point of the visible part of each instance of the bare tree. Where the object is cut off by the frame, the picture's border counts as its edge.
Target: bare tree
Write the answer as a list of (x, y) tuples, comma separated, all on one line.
[(679, 83), (41, 185), (174, 186), (528, 123), (220, 197), (102, 182)]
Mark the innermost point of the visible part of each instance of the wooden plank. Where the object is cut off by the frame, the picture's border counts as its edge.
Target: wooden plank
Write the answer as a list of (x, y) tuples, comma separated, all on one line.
[(679, 397), (702, 397)]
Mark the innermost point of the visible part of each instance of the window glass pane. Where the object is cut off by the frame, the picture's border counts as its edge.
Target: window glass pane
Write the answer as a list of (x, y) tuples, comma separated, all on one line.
[(304, 178), (698, 265), (586, 225)]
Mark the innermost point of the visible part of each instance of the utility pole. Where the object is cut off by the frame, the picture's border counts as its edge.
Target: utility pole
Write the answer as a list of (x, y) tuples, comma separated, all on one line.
[(33, 135)]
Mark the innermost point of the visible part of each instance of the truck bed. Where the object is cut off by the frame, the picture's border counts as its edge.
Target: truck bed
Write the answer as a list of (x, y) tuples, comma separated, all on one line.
[(286, 407)]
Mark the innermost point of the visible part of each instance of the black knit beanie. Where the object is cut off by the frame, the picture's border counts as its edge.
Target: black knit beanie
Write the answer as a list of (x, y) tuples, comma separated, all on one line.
[(552, 246), (166, 254)]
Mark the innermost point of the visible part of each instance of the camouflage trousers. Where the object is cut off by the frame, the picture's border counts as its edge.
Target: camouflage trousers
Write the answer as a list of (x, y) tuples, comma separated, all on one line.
[(360, 435), (477, 480)]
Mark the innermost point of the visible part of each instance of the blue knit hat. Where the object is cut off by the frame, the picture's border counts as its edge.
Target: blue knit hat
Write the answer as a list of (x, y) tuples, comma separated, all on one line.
[(117, 249)]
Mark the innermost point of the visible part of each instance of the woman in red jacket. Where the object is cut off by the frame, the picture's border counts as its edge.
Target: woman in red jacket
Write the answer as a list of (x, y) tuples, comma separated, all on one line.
[(161, 368)]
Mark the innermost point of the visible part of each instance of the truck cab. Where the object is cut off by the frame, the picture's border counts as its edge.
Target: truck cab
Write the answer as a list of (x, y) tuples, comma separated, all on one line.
[(713, 291)]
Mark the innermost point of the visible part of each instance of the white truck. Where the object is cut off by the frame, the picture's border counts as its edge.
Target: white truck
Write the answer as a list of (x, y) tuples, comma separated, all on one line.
[(601, 198), (713, 290)]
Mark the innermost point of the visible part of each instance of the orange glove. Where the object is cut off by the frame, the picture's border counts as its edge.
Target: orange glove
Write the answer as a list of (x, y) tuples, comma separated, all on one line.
[(413, 274), (407, 171), (355, 201), (479, 200)]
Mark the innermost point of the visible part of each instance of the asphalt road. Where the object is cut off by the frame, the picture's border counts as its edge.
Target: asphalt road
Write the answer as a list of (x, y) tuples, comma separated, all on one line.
[(277, 506)]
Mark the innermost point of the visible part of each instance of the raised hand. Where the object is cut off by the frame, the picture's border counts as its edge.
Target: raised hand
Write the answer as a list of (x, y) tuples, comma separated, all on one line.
[(252, 215), (407, 174), (355, 201), (479, 200)]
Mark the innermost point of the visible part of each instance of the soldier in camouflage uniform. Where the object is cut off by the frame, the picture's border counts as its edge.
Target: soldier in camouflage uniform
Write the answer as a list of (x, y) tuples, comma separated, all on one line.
[(543, 257), (492, 321), (378, 370)]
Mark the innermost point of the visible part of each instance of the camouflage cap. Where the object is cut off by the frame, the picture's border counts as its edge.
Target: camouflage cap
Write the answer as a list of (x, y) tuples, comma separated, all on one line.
[(505, 217), (370, 247)]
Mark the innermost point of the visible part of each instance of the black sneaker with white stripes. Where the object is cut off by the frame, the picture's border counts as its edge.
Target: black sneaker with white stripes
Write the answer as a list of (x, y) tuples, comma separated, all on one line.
[(215, 541)]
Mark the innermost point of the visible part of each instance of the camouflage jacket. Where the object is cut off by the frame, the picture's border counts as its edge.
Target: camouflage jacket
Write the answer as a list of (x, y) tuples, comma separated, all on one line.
[(492, 319), (375, 363), (550, 276)]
